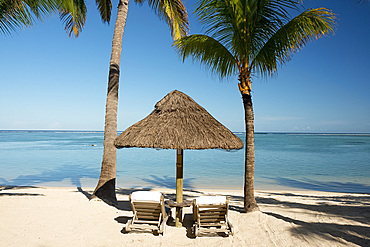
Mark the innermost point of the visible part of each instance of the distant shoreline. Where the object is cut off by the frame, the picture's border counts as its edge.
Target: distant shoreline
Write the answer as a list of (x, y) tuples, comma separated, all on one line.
[(236, 132)]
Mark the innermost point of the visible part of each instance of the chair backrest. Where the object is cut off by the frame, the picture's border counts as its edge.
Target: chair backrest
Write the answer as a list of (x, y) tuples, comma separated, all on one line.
[(211, 200), (211, 209), (148, 205)]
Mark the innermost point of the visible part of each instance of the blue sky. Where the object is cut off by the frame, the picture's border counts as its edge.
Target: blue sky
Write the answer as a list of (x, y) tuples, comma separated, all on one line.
[(51, 81)]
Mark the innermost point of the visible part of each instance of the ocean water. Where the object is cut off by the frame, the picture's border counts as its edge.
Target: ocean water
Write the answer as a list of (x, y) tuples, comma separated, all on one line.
[(324, 162)]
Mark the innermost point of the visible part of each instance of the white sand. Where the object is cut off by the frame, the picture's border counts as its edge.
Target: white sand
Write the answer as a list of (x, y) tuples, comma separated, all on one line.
[(65, 217)]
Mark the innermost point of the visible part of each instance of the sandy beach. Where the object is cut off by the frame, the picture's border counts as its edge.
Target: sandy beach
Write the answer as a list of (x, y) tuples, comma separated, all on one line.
[(40, 216)]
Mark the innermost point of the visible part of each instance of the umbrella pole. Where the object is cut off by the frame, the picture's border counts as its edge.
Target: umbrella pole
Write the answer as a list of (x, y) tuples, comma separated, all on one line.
[(179, 185)]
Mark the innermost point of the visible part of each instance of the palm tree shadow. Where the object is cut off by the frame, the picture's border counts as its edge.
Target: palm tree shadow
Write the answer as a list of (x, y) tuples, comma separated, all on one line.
[(7, 188), (123, 191), (309, 184), (73, 172), (351, 207), (85, 193), (121, 205), (237, 208), (359, 235), (167, 182)]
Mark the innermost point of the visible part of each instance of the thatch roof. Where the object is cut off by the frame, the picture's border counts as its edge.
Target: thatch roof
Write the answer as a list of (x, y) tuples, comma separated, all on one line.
[(178, 122)]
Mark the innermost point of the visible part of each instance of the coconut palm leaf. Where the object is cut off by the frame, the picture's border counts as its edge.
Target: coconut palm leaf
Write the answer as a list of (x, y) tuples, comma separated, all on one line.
[(105, 9), (12, 16), (238, 24), (73, 15), (208, 52), (17, 13), (294, 35), (173, 12)]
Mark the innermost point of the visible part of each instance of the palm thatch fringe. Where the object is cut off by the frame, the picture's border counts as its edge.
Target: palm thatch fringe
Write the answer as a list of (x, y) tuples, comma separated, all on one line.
[(178, 122)]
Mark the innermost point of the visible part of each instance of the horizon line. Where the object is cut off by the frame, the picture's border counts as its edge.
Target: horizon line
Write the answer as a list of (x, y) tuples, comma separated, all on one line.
[(235, 132)]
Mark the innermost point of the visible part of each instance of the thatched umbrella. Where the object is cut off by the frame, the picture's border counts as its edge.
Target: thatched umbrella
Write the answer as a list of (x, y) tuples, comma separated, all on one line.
[(178, 122)]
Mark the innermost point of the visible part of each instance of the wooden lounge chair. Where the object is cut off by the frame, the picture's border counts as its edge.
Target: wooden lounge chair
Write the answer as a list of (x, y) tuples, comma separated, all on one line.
[(149, 212), (211, 215)]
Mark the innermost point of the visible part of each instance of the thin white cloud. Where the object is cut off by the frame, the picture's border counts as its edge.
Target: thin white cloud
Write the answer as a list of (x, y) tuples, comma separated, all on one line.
[(304, 129), (335, 122), (279, 118)]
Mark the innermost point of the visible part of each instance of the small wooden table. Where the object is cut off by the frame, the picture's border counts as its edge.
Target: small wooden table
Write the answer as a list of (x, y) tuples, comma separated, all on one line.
[(179, 206), (185, 203)]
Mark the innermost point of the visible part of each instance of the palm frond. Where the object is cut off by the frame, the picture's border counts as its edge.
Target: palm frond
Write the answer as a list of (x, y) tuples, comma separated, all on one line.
[(294, 35), (220, 20), (243, 26), (12, 16), (209, 52), (174, 13), (42, 7), (105, 8), (73, 15), (261, 20), (18, 13), (22, 13), (252, 36)]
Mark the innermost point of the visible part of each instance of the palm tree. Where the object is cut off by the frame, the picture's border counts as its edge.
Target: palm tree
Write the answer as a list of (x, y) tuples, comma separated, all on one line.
[(174, 13), (251, 38), (18, 13)]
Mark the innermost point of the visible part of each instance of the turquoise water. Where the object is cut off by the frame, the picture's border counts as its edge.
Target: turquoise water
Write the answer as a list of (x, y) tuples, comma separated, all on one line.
[(339, 163)]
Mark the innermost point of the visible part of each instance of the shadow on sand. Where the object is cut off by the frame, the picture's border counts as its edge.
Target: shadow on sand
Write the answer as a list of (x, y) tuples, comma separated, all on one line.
[(359, 235), (349, 207), (352, 207), (8, 187)]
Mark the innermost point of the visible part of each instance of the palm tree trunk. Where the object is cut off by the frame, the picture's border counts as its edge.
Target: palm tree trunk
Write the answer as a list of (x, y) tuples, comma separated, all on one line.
[(106, 188), (250, 203)]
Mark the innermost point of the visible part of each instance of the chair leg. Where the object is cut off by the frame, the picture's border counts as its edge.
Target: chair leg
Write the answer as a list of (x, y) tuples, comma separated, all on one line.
[(128, 224), (231, 228), (161, 229), (195, 230)]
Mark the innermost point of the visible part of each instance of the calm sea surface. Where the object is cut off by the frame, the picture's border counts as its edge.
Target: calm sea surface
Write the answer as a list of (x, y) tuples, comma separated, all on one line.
[(338, 163)]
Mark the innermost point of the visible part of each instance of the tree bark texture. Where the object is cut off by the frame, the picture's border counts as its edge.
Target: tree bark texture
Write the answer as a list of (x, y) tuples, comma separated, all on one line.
[(250, 203), (106, 188)]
